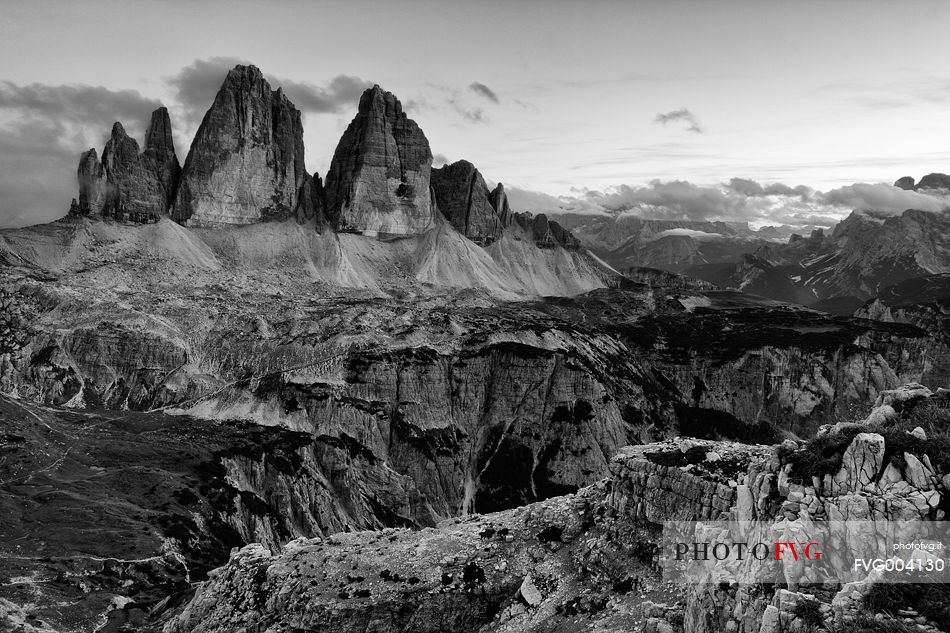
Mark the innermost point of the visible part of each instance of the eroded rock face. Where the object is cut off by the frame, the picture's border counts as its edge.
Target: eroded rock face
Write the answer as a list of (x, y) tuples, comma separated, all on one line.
[(128, 185), (669, 482), (313, 201), (379, 176), (246, 163), (159, 155), (134, 190), (465, 201)]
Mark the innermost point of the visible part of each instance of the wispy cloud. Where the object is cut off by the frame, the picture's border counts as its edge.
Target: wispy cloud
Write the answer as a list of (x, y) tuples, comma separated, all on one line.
[(472, 115), (683, 115), (74, 102), (484, 91), (337, 95), (888, 94), (454, 101)]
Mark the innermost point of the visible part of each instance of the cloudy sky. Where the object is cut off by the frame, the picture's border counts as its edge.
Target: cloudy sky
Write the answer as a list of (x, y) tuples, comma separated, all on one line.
[(639, 104)]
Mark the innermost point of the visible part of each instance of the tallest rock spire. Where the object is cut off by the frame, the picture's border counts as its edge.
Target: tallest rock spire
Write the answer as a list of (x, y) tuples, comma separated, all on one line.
[(379, 177), (246, 163)]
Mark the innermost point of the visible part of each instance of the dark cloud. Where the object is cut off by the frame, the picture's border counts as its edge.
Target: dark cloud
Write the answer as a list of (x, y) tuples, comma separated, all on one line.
[(739, 200), (882, 198), (77, 103), (339, 94), (683, 115), (484, 91), (43, 129), (749, 187), (196, 85), (675, 199), (37, 171), (746, 187), (439, 160)]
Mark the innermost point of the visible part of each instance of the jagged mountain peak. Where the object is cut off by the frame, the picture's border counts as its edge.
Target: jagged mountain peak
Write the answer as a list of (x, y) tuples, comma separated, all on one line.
[(158, 136), (120, 147), (127, 184), (499, 200), (242, 73), (246, 163), (376, 98), (378, 180), (118, 131)]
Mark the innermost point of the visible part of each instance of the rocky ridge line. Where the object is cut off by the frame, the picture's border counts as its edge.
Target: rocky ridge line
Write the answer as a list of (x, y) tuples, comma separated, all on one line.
[(246, 165)]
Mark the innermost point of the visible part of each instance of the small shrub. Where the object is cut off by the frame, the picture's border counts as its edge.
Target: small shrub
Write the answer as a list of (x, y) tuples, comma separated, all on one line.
[(931, 600), (867, 624), (810, 613), (821, 455), (676, 458)]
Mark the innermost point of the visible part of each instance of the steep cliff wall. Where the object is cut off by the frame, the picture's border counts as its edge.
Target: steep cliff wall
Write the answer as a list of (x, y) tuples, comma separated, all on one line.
[(246, 163), (588, 561), (129, 185), (378, 180)]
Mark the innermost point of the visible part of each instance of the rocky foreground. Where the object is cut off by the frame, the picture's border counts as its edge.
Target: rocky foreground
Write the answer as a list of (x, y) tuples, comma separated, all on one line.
[(586, 561), (134, 510)]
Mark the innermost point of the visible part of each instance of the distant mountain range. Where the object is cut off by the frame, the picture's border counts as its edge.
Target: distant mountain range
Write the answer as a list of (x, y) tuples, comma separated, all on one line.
[(836, 271)]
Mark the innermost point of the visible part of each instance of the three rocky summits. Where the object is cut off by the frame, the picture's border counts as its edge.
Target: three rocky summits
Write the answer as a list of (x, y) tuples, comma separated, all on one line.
[(127, 184), (246, 165)]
